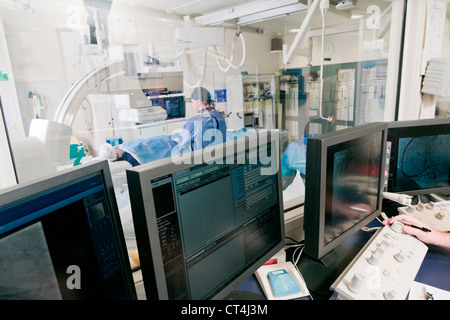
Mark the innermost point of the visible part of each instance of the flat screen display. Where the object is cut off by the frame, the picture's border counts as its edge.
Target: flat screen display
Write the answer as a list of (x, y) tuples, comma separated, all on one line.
[(423, 162), (419, 156), (345, 177), (60, 238), (205, 227), (352, 187)]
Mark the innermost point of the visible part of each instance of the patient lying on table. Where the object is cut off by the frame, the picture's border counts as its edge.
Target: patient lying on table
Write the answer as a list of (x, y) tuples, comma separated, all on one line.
[(207, 127), (139, 151)]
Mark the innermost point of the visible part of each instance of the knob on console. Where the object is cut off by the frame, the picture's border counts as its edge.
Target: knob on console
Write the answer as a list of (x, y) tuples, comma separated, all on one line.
[(431, 206), (390, 295), (400, 257), (374, 259), (439, 215), (356, 283), (397, 226)]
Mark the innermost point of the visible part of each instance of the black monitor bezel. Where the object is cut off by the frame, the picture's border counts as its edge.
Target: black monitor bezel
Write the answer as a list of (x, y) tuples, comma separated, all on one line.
[(38, 186), (144, 215), (315, 187), (413, 128)]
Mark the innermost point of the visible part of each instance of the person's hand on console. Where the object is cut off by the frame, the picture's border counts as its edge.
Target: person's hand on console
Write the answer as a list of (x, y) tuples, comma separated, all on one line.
[(434, 237)]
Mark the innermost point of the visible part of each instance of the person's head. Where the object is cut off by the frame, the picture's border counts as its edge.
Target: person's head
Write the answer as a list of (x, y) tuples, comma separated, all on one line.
[(201, 99), (107, 151)]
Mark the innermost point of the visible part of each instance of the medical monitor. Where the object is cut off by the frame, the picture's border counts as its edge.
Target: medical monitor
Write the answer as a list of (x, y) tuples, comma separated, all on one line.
[(343, 190), (419, 160), (205, 225), (61, 238)]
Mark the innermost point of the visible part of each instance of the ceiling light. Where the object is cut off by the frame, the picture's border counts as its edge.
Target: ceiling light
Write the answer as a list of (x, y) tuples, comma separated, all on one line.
[(275, 13), (187, 4), (356, 16)]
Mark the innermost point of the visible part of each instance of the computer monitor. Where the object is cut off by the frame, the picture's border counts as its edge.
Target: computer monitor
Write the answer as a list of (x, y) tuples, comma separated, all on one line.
[(419, 156), (343, 192), (61, 238), (204, 226)]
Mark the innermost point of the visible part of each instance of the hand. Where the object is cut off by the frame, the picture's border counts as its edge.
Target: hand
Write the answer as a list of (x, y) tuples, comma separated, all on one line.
[(434, 237)]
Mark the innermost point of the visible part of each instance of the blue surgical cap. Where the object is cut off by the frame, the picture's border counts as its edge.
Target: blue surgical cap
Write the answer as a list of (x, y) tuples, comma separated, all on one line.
[(201, 94)]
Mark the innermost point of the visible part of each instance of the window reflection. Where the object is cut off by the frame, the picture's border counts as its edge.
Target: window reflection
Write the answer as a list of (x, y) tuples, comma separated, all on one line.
[(84, 71)]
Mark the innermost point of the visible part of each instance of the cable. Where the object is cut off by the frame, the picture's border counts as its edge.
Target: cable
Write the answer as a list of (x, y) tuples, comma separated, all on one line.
[(294, 207), (219, 58), (202, 77), (230, 61), (296, 242), (294, 262), (324, 5)]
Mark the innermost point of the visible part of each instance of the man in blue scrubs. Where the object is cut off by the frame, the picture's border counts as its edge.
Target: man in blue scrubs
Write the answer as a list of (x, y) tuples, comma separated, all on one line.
[(207, 127)]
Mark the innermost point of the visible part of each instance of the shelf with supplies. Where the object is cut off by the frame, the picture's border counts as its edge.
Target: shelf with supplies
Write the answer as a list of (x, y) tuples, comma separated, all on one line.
[(251, 100)]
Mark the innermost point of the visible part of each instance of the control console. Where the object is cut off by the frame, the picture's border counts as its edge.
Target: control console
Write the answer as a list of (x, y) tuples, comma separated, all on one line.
[(384, 269), (435, 214)]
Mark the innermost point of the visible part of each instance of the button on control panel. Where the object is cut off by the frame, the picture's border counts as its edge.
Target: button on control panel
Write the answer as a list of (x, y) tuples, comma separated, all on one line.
[(384, 269), (435, 214)]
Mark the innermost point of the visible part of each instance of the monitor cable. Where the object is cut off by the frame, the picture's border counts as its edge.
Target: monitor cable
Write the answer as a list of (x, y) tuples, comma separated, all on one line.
[(298, 245)]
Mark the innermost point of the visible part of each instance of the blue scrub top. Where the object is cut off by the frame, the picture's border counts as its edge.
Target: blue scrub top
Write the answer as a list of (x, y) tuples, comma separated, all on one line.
[(294, 158), (204, 129)]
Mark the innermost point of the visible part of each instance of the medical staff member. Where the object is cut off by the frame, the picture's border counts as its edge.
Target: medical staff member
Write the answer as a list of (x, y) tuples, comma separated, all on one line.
[(207, 127)]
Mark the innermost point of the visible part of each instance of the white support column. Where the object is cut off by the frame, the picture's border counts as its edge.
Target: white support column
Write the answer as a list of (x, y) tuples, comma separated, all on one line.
[(395, 40), (412, 104), (313, 10)]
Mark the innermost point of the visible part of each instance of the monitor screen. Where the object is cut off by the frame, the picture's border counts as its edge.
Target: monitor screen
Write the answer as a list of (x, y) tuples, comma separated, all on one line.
[(419, 156), (344, 184), (61, 238), (204, 227)]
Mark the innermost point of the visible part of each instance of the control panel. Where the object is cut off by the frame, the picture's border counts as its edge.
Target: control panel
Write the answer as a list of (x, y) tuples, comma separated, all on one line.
[(435, 214), (385, 267)]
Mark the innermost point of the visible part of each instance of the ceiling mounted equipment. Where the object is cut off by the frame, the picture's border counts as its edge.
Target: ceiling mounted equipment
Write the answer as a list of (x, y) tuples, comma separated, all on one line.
[(239, 12)]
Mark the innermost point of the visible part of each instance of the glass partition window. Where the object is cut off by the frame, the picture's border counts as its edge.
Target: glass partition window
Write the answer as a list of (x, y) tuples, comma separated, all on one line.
[(352, 85), (78, 74), (344, 74)]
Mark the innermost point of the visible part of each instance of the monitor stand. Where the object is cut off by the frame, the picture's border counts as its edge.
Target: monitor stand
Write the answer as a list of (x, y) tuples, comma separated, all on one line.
[(320, 274)]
